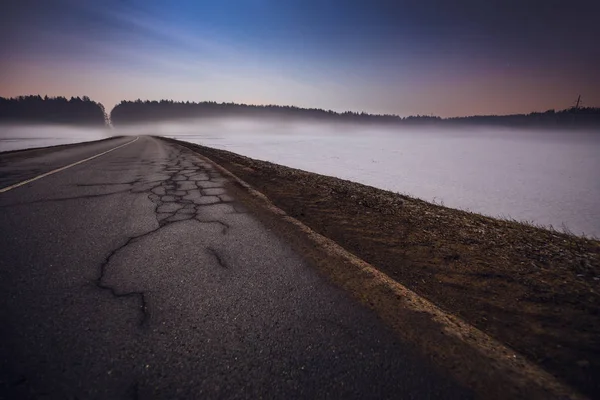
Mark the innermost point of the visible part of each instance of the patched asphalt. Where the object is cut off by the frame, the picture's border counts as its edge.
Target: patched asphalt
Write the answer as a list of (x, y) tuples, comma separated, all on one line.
[(136, 275)]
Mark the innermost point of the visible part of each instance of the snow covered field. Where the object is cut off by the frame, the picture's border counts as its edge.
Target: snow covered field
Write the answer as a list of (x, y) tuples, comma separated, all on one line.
[(549, 178), (27, 137)]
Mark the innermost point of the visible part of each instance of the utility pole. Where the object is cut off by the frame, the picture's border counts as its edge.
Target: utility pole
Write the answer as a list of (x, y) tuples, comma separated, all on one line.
[(578, 102)]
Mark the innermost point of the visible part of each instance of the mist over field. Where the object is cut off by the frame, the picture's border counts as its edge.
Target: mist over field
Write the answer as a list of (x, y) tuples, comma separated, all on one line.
[(545, 177), (19, 137)]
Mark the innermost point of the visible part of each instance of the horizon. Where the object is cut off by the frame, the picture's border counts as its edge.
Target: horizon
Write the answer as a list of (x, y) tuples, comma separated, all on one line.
[(108, 112), (405, 59)]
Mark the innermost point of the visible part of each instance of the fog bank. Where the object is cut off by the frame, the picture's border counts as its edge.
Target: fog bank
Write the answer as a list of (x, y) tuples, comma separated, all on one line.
[(545, 177), (19, 137)]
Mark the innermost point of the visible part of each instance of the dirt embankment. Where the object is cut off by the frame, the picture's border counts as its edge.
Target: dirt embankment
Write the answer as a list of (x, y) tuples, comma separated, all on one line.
[(536, 290)]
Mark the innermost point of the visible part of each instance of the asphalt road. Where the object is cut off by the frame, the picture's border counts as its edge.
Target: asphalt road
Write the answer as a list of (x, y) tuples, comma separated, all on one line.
[(135, 275)]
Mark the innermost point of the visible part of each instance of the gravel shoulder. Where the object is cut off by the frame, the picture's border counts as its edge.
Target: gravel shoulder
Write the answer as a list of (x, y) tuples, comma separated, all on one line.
[(536, 290)]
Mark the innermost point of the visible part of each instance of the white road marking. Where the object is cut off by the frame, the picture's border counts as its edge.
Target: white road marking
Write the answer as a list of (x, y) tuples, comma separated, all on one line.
[(16, 185)]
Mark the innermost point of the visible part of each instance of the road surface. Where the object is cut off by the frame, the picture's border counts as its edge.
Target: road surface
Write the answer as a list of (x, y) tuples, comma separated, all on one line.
[(136, 275)]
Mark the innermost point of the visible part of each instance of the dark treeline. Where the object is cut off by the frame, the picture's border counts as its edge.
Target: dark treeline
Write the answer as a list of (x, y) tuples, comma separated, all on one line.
[(151, 111), (584, 117), (83, 111), (148, 111), (56, 110)]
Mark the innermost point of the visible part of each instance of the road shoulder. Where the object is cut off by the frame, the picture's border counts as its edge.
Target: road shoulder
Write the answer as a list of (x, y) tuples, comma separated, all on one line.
[(473, 357)]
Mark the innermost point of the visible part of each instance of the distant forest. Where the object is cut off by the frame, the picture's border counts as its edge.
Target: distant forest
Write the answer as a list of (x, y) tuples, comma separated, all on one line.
[(129, 112), (56, 110), (83, 111)]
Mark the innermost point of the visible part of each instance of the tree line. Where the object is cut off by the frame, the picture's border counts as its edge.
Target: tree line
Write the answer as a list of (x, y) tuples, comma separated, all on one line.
[(139, 111), (58, 110), (83, 111), (150, 111), (584, 117)]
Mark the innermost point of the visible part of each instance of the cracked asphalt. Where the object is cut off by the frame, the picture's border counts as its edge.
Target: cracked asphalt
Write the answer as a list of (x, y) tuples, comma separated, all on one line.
[(136, 275)]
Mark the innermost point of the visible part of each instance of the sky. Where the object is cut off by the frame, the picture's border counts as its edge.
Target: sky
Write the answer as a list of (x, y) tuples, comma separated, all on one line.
[(427, 57)]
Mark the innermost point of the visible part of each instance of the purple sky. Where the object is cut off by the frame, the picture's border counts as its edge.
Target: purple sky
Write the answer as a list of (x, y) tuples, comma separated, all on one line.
[(402, 57)]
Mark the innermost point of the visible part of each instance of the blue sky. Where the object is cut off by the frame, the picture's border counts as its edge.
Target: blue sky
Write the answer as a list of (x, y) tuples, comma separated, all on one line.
[(404, 57)]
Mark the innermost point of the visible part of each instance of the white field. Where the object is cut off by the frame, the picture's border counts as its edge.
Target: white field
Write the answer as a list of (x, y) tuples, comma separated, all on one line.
[(549, 178), (26, 137)]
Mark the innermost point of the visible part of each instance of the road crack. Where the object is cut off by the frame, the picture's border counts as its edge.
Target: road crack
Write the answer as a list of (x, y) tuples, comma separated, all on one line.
[(177, 198), (217, 256)]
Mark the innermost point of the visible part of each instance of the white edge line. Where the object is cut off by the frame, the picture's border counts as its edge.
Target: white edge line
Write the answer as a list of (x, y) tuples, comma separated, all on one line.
[(16, 185)]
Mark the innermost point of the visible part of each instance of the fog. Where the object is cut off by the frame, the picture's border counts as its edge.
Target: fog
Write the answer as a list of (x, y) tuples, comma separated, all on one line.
[(550, 178), (19, 137)]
